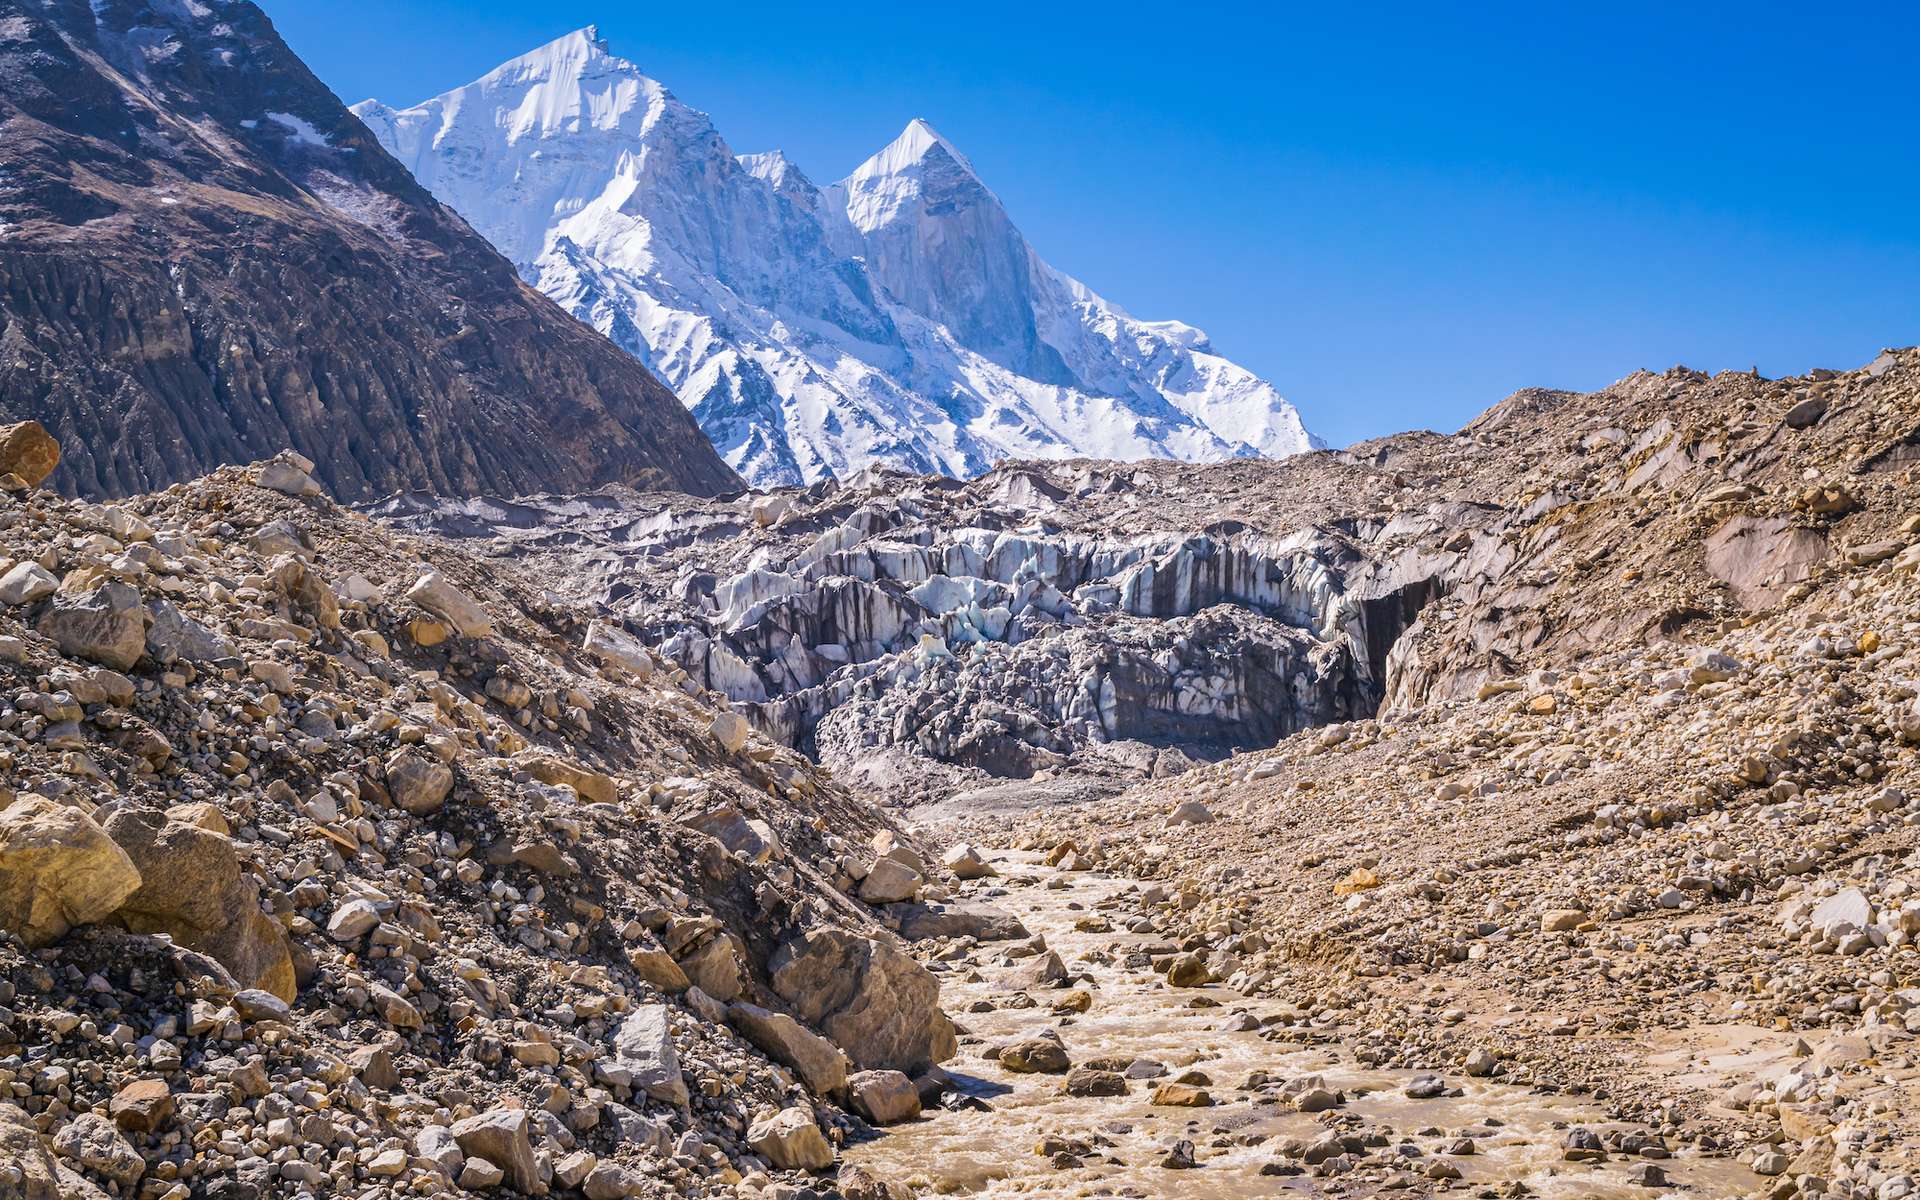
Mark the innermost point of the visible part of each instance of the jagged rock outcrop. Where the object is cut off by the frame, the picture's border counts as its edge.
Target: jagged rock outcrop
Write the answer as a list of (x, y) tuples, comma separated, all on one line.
[(923, 635), (984, 627), (204, 259)]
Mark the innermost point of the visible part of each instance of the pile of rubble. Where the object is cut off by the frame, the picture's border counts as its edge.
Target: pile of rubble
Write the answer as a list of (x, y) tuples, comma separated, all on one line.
[(338, 862), (1670, 862)]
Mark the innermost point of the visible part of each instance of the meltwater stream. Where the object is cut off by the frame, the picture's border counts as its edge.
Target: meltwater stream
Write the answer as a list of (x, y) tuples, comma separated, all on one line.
[(994, 1150)]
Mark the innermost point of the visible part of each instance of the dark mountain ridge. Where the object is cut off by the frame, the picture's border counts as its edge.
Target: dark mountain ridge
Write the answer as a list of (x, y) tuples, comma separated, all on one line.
[(204, 258)]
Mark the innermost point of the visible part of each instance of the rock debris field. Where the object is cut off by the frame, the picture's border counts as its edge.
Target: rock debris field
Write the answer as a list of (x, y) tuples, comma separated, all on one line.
[(1526, 811)]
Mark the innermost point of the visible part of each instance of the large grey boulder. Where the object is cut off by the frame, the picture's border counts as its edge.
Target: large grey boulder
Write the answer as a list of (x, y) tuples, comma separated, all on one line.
[(107, 625), (644, 1057), (502, 1136), (874, 1002), (193, 889), (922, 922)]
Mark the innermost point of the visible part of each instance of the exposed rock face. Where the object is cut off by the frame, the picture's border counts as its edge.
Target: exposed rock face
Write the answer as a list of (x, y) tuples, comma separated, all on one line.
[(931, 635), (192, 887), (897, 318), (204, 258), (924, 623), (877, 1004), (58, 869)]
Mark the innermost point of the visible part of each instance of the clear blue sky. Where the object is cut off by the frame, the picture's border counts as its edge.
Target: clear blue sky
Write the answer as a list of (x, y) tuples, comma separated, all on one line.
[(1397, 215)]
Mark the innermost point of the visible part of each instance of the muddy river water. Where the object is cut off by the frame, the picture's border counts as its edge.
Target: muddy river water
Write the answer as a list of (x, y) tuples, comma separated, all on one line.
[(991, 1150)]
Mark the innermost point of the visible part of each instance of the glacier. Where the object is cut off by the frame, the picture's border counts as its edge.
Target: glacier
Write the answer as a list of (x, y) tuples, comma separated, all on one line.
[(896, 318)]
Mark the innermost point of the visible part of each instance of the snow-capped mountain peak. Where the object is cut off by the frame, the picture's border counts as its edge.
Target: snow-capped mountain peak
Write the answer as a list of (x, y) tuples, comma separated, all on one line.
[(907, 154), (916, 166), (896, 318)]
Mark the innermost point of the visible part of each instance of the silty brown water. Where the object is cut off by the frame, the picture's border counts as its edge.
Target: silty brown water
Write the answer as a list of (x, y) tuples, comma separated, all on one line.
[(993, 1150)]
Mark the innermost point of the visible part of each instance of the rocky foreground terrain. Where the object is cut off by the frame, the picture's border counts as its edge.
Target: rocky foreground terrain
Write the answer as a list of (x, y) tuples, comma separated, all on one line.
[(1527, 811), (1593, 779), (321, 874), (1640, 820)]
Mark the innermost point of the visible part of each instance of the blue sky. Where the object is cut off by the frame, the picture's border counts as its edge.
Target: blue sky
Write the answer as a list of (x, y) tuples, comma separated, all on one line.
[(1397, 215)]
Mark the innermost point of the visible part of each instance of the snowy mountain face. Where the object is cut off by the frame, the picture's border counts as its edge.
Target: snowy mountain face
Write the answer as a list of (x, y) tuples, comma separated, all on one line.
[(896, 318)]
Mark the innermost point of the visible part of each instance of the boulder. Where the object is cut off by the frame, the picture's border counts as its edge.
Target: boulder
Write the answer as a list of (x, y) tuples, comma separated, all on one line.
[(877, 1004), (1848, 907), (1562, 920), (1035, 1056), (921, 922), (92, 1142), (107, 625), (58, 869), (884, 1097), (417, 781), (28, 451), (751, 839), (353, 920), (193, 889), (889, 882), (22, 1150), (289, 472), (503, 1137), (966, 863), (25, 583), (437, 595), (1192, 812), (730, 729), (1092, 1081), (436, 1144), (620, 653), (817, 1061), (1189, 970), (174, 635), (591, 786), (302, 585), (1042, 971), (657, 967), (142, 1106), (791, 1141), (1181, 1095), (713, 966), (644, 1057)]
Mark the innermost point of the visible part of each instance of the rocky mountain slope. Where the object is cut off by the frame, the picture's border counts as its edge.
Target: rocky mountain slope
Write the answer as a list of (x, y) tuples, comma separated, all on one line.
[(334, 861), (1640, 821), (896, 318), (205, 259), (1607, 886), (1131, 619)]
